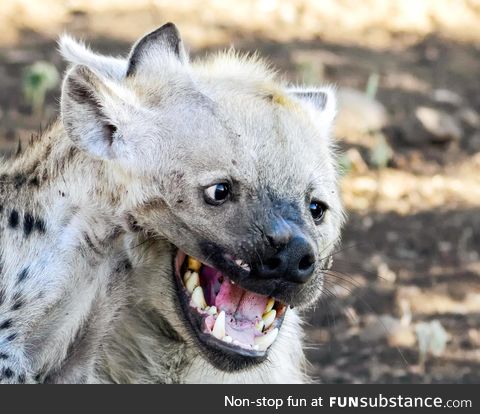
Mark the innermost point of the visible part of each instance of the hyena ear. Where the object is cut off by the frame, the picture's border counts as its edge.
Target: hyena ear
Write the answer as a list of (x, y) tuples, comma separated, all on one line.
[(150, 50), (77, 53), (322, 99), (90, 109)]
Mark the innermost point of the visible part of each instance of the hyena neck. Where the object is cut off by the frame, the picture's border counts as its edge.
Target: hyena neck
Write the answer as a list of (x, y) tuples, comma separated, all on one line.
[(53, 170), (63, 269)]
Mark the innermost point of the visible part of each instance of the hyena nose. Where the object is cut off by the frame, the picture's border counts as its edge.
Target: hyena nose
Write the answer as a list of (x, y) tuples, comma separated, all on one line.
[(293, 261)]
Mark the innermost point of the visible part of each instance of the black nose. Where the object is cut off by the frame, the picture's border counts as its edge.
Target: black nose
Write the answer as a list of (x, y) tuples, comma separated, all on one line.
[(292, 258)]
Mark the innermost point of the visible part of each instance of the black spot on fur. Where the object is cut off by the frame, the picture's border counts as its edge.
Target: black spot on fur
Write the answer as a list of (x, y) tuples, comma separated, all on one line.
[(18, 180), (13, 219), (7, 373), (23, 275), (34, 182), (1, 208), (28, 222), (3, 356), (17, 305), (11, 337), (21, 379), (40, 225), (6, 324), (90, 244), (123, 266)]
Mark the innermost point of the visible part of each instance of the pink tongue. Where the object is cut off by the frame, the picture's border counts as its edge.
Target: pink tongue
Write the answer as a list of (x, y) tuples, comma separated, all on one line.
[(235, 300), (243, 309)]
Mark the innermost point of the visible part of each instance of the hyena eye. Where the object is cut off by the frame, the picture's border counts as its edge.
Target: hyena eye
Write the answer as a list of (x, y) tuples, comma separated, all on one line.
[(217, 194), (317, 210)]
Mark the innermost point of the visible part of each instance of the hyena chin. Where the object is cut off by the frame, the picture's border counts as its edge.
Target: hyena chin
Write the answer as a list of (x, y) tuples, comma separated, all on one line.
[(170, 225)]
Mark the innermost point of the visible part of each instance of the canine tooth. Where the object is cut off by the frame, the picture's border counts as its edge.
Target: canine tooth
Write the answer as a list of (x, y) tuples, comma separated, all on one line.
[(212, 310), (198, 298), (266, 340), (239, 262), (192, 282), (218, 330), (193, 264), (270, 304), (269, 317), (260, 325), (255, 347), (246, 267), (186, 276), (227, 339)]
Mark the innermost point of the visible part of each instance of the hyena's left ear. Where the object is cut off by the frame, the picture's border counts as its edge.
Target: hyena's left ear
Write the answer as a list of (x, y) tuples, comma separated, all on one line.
[(322, 99), (152, 50)]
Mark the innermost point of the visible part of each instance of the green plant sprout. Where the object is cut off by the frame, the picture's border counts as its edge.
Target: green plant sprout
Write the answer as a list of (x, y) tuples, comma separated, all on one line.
[(38, 79)]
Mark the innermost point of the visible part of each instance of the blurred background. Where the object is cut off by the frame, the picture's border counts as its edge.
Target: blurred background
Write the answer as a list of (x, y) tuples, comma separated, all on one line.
[(403, 299)]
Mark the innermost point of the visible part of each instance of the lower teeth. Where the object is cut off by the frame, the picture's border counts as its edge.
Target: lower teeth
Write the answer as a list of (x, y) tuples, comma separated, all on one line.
[(266, 340), (191, 280), (218, 330)]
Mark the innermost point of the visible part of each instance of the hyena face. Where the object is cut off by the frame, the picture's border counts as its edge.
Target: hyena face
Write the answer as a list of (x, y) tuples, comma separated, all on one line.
[(232, 169)]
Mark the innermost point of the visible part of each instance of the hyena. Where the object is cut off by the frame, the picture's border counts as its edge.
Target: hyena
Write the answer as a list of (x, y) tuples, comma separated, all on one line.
[(170, 225)]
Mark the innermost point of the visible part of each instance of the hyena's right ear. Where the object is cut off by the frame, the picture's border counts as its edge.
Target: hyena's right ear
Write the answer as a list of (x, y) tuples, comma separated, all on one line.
[(92, 110), (151, 51)]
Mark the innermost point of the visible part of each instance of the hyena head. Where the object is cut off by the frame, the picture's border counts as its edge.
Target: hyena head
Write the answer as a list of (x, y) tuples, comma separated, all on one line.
[(235, 171)]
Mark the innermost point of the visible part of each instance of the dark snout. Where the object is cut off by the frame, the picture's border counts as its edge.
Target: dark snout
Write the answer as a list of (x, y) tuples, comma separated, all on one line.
[(288, 256)]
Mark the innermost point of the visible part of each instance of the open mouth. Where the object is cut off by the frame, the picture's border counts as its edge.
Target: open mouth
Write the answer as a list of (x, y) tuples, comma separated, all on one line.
[(226, 317)]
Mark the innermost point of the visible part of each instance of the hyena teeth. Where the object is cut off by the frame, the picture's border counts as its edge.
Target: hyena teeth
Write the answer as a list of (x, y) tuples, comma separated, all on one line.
[(245, 267), (242, 264), (186, 276), (270, 304), (193, 264), (227, 339), (198, 299), (218, 330), (260, 325), (266, 340), (255, 347), (192, 282), (212, 310), (269, 317)]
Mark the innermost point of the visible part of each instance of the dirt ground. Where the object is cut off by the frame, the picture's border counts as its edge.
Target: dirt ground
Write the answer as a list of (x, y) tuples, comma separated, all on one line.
[(411, 248)]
